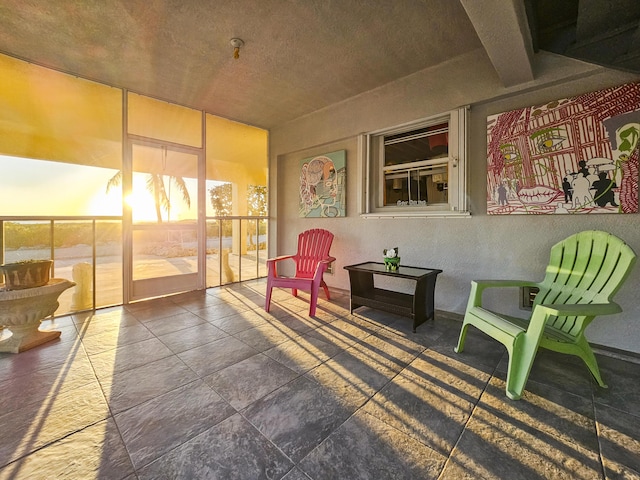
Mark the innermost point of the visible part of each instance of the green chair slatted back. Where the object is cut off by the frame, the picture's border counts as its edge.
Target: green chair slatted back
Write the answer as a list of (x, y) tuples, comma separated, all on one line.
[(589, 267)]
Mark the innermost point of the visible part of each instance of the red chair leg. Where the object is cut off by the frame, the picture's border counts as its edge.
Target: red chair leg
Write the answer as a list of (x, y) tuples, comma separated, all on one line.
[(314, 301), (326, 290), (267, 299)]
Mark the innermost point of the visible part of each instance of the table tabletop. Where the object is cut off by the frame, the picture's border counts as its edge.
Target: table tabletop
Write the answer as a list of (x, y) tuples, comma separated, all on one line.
[(403, 271)]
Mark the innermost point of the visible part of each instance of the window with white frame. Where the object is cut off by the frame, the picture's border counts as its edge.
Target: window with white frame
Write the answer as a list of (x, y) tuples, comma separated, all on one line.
[(417, 169)]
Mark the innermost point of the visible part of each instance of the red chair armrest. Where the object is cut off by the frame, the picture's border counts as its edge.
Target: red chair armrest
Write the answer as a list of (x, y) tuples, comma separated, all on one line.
[(280, 258), (322, 266)]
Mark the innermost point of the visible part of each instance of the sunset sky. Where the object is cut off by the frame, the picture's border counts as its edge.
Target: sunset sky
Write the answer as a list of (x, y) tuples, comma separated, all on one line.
[(41, 188)]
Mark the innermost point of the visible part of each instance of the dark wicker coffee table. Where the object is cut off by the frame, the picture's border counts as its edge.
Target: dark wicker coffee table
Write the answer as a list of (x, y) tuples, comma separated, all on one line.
[(419, 306)]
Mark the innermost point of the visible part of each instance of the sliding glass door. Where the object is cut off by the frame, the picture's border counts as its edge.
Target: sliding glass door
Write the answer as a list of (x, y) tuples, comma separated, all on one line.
[(164, 228)]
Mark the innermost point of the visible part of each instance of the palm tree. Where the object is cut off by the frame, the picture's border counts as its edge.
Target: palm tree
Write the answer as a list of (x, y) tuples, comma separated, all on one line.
[(156, 186)]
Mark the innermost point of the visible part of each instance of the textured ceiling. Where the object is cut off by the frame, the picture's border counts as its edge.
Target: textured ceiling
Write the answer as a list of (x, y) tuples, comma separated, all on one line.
[(299, 55)]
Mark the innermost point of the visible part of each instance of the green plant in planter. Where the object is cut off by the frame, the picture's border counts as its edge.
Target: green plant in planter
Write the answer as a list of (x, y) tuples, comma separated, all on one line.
[(26, 274)]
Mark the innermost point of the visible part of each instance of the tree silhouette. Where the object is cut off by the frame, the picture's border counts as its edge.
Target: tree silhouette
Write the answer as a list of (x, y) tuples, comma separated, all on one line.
[(158, 188), (220, 197), (258, 200), (222, 203)]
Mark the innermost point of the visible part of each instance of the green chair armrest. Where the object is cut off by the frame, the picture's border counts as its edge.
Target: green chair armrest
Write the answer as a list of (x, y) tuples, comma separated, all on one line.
[(581, 309), (504, 283), (479, 286)]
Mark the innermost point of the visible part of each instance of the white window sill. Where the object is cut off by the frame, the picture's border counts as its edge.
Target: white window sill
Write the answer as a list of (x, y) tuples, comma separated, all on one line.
[(433, 214)]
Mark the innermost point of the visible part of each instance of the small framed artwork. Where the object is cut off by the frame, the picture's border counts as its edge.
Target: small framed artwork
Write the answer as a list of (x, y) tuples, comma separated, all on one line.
[(323, 185)]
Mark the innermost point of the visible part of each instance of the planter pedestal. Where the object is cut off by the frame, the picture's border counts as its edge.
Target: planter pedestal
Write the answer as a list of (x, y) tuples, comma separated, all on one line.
[(21, 312)]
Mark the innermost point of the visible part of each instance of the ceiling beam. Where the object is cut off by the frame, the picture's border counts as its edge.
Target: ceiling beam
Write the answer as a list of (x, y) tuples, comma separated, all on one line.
[(503, 30)]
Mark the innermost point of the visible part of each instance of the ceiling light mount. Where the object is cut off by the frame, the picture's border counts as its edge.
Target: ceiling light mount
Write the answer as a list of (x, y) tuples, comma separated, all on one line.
[(236, 43)]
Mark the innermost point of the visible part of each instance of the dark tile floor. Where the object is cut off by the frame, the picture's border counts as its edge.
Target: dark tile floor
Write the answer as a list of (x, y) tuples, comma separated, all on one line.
[(207, 385)]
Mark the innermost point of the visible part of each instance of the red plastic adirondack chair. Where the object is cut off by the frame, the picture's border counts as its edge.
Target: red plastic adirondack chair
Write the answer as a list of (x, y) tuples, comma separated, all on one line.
[(312, 259)]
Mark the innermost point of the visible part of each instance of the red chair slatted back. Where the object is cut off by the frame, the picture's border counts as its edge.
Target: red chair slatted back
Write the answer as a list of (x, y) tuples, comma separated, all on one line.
[(313, 246)]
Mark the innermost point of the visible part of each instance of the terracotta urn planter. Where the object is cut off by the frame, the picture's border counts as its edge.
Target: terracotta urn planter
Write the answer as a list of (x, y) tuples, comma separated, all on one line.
[(26, 274)]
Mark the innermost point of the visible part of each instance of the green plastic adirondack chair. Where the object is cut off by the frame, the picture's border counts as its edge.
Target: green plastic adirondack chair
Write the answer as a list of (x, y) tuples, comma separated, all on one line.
[(584, 273)]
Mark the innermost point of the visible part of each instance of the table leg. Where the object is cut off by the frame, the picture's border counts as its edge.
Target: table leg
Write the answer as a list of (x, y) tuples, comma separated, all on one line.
[(423, 301), (361, 285)]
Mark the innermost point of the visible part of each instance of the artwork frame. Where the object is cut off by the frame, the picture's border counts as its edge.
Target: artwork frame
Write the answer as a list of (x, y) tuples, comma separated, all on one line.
[(322, 187), (576, 155)]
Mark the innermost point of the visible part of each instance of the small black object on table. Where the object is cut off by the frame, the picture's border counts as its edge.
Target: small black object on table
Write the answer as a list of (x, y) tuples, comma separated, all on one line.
[(419, 306)]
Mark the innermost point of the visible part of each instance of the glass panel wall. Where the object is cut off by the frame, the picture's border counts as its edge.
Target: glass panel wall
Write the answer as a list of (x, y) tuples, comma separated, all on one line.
[(162, 186), (214, 247), (82, 249), (164, 206), (254, 262), (30, 187), (236, 188), (108, 263), (89, 252), (229, 257), (62, 177), (60, 144)]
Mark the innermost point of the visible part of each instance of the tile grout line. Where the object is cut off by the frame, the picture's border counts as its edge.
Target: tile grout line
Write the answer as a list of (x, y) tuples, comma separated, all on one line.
[(471, 413)]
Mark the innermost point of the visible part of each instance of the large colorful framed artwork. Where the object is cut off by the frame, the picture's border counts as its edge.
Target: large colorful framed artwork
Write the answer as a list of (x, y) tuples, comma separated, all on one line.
[(576, 155), (323, 185)]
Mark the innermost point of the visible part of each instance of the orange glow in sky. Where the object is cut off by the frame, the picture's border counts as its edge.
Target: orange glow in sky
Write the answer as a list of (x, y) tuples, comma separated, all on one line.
[(42, 188)]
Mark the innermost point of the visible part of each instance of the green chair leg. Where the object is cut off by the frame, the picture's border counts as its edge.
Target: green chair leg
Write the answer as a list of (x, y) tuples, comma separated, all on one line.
[(587, 356), (517, 376), (461, 339), (521, 356)]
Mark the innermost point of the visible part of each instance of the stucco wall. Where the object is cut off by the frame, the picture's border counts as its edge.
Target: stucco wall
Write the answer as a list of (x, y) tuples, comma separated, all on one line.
[(467, 248)]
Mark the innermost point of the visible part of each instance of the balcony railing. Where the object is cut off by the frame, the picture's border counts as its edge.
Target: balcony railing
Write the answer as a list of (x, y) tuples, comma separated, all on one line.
[(89, 251), (236, 249)]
